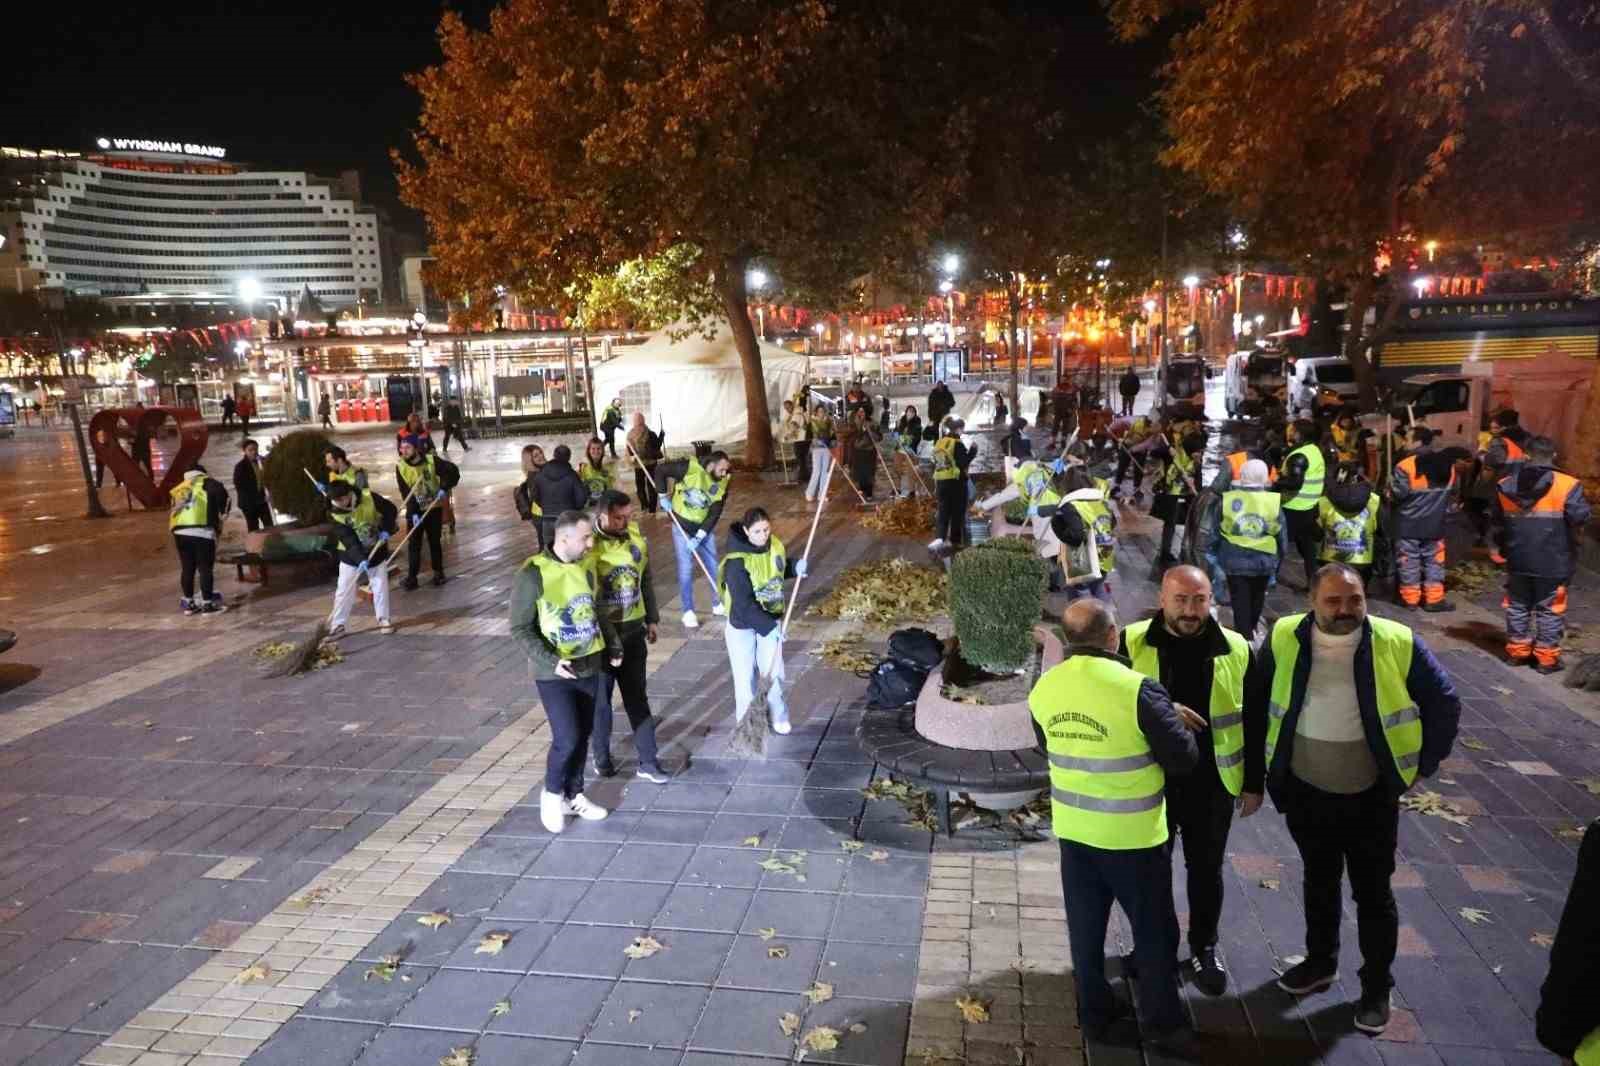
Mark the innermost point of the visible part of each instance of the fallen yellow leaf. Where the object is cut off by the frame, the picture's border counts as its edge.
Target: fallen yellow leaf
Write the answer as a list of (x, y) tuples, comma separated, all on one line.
[(256, 971), (851, 845), (777, 951), (460, 1056), (819, 992), (753, 841), (633, 1014), (500, 1008), (1543, 940), (789, 1022), (858, 1028), (972, 1008), (820, 1038), (877, 856), (768, 933), (492, 943), (1475, 916), (1474, 744), (435, 920), (642, 947), (1271, 884)]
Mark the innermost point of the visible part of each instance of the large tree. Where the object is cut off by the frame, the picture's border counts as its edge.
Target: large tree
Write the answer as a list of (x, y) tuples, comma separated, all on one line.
[(573, 136), (1349, 128)]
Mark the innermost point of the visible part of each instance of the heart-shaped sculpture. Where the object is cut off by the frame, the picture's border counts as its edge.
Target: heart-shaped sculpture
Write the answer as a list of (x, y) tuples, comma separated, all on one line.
[(108, 428)]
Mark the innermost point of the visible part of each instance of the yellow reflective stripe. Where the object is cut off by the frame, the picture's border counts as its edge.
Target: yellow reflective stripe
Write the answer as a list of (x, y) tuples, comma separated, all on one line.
[(1402, 716), (1107, 806), (1102, 766)]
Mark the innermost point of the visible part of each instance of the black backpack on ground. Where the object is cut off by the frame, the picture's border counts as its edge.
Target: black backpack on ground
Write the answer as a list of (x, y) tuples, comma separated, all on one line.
[(894, 684), (916, 648)]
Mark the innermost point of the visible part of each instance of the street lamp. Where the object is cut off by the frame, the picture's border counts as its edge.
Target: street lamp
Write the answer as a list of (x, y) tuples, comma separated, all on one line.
[(1421, 285), (1189, 282), (755, 281), (250, 292), (952, 263)]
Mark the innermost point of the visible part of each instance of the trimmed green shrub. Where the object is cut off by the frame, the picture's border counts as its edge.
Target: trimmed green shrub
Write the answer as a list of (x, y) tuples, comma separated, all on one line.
[(996, 590), (283, 471), (1016, 512)]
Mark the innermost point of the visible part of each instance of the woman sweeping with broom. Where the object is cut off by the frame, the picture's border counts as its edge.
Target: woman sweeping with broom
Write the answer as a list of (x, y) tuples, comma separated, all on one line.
[(750, 579)]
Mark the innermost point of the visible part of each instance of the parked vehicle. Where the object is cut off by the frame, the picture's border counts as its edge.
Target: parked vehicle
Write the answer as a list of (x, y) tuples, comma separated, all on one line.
[(1183, 390), (1320, 383), (1254, 382)]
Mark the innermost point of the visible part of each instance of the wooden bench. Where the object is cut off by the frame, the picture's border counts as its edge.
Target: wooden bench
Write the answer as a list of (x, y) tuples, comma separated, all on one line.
[(322, 558), (891, 738)]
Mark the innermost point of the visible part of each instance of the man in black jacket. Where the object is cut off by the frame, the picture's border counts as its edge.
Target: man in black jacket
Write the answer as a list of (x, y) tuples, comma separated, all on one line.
[(940, 403), (557, 489), (363, 522), (1180, 646), (1568, 1019), (1128, 389), (247, 488), (627, 592), (427, 480)]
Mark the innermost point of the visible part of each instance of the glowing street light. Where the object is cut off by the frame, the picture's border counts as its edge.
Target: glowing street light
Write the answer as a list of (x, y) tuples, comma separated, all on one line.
[(952, 263), (1421, 285), (756, 280), (1431, 246), (250, 290), (946, 285), (1190, 281), (1149, 307)]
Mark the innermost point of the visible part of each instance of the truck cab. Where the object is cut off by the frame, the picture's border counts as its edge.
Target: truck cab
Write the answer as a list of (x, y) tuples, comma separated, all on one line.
[(1184, 386), (1254, 382), (1454, 406), (1320, 381)]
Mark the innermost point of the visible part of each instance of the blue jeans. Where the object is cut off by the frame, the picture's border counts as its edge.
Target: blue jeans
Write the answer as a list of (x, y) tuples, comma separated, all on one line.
[(749, 656), (1097, 589), (686, 568)]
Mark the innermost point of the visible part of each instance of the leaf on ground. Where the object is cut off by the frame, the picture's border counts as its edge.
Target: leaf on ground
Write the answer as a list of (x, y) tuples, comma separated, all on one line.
[(1475, 916), (972, 1008), (820, 1038), (312, 896), (777, 951), (819, 992), (753, 841), (459, 1056), (1570, 832), (256, 971), (643, 947), (1543, 940), (634, 1014), (183, 740), (384, 972), (877, 856), (435, 920), (858, 1028), (492, 943), (774, 865), (851, 845), (1425, 801), (1454, 840), (501, 1008), (1446, 780), (1271, 884), (1475, 744), (789, 1022), (1496, 970), (1501, 689), (1592, 784), (768, 933)]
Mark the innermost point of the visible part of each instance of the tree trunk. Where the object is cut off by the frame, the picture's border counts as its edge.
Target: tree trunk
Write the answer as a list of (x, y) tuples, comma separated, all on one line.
[(735, 305), (1358, 347), (1584, 462), (1014, 307)]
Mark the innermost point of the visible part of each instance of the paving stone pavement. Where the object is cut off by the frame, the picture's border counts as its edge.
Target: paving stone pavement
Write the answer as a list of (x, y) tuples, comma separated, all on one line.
[(168, 820)]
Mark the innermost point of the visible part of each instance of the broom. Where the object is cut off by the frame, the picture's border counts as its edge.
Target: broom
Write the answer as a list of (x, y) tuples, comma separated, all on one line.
[(364, 592), (750, 732)]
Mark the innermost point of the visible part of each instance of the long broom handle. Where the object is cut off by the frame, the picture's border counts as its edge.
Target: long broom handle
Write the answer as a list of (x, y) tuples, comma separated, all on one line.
[(847, 479), (885, 462), (704, 569), (412, 528), (794, 593)]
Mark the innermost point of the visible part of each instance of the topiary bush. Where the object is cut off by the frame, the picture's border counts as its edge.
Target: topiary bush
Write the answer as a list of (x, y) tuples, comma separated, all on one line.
[(283, 471), (996, 590)]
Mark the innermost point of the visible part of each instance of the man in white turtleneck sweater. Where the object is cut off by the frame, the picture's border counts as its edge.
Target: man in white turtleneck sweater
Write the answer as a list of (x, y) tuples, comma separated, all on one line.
[(1359, 710)]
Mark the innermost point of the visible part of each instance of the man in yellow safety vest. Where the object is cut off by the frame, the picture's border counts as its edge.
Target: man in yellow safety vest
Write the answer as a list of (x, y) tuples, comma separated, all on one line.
[(1210, 675), (1349, 730), (1112, 737), (696, 505), (1305, 470)]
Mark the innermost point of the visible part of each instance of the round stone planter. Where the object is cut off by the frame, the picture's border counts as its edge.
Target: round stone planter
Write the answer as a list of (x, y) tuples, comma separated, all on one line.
[(982, 727)]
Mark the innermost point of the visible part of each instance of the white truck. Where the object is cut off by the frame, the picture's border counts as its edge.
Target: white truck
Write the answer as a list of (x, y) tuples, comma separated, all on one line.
[(1455, 406), (1253, 382), (1320, 381)]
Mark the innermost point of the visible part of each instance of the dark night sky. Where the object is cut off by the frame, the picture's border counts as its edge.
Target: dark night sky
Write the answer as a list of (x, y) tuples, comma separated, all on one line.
[(320, 89)]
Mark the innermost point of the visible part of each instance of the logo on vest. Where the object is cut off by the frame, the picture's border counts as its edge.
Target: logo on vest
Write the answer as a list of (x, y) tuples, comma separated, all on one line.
[(577, 623), (1102, 531), (622, 586), (696, 499), (1347, 535), (1250, 525), (1071, 718), (1034, 483)]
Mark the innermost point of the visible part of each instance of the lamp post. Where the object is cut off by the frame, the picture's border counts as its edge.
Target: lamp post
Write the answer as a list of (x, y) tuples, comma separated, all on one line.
[(1190, 282), (755, 281)]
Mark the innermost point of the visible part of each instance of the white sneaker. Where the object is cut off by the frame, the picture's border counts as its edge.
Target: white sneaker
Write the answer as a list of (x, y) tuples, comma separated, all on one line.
[(335, 633), (385, 626), (552, 811), (781, 726), (690, 621), (936, 542), (585, 808), (718, 610)]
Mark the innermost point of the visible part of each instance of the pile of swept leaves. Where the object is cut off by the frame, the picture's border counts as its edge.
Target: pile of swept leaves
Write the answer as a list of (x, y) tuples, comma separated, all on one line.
[(1471, 576), (917, 802), (1584, 673), (1424, 801), (886, 592), (327, 655), (274, 650), (909, 516), (849, 655)]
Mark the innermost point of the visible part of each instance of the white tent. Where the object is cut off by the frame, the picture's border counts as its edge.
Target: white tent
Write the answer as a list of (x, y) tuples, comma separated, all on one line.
[(694, 387)]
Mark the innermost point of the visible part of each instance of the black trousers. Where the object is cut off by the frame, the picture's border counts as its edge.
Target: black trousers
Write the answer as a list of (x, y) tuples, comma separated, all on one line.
[(432, 528), (547, 529), (802, 461), (461, 439), (259, 517), (648, 498), (1127, 403), (326, 421), (569, 706), (950, 524), (196, 557), (635, 702), (1305, 533), (1248, 594), (1200, 811), (611, 441), (863, 471), (1141, 882), (1355, 835)]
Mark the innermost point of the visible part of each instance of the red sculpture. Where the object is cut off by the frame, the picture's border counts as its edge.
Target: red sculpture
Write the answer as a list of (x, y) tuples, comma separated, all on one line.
[(140, 425)]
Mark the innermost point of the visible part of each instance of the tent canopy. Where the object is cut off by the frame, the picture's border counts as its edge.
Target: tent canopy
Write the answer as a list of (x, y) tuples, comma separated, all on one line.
[(694, 386)]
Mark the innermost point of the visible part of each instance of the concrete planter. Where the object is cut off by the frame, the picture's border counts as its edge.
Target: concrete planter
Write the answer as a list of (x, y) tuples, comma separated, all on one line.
[(982, 727)]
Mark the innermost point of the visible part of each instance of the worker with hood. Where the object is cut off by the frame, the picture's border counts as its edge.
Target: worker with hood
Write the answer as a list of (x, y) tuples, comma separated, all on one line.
[(1348, 518), (1179, 485), (555, 489), (1086, 528), (1420, 488), (1542, 516), (1248, 543), (198, 505)]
